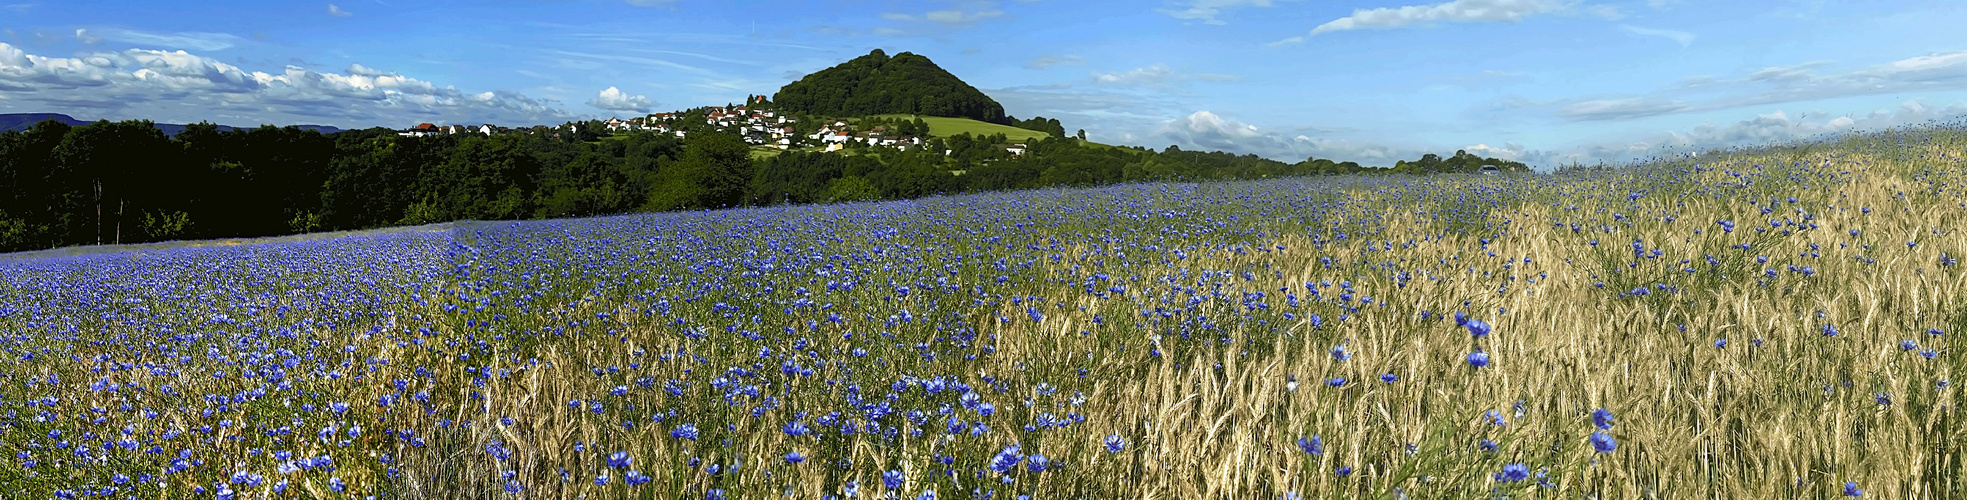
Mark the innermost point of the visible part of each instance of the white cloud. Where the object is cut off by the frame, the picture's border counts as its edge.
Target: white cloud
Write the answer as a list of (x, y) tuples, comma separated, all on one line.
[(1787, 73), (1681, 37), (1149, 75), (958, 16), (965, 14), (181, 86), (613, 99), (1158, 74), (337, 12), (1286, 42), (1205, 11), (1508, 151), (192, 40), (1456, 11), (1619, 109), (1043, 62)]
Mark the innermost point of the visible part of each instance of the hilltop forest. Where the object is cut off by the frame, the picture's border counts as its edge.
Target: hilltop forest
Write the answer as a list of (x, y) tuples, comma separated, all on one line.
[(876, 84)]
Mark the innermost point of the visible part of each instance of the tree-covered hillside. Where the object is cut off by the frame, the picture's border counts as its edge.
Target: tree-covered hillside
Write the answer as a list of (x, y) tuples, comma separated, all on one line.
[(876, 84)]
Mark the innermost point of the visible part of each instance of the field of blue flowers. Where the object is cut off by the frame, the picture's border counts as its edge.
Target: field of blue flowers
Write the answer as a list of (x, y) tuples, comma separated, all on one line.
[(1771, 323)]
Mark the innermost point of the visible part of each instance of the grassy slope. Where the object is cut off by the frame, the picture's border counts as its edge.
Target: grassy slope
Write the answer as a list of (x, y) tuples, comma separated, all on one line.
[(945, 127)]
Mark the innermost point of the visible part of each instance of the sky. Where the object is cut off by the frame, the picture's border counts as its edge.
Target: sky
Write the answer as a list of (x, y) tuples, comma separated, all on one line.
[(1546, 82)]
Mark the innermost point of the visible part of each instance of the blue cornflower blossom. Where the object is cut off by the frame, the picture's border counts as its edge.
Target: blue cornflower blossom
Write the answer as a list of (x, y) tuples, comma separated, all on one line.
[(619, 459), (1513, 473), (1115, 443), (1005, 459), (1389, 378), (1602, 418), (1313, 445), (1478, 359), (685, 431), (796, 428), (1851, 489), (1603, 442)]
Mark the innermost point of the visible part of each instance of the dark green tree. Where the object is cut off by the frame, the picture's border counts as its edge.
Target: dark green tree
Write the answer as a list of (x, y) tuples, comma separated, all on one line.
[(713, 173)]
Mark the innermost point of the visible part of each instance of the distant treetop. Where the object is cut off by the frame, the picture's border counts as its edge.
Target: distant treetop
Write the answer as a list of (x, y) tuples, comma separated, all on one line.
[(877, 84)]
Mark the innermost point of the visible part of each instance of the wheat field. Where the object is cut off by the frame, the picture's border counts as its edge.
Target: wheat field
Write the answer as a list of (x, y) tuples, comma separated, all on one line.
[(1775, 322)]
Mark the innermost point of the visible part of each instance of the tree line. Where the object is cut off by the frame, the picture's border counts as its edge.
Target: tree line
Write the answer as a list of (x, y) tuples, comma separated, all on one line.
[(126, 182)]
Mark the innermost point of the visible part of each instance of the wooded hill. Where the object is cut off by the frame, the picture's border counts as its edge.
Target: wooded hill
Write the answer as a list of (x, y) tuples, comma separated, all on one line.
[(876, 84)]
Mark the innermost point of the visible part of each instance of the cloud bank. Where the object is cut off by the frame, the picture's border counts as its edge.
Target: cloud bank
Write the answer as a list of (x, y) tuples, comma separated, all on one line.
[(181, 86)]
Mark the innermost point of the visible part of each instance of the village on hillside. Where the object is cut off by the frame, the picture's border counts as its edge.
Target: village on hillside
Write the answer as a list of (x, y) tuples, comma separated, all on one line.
[(760, 126)]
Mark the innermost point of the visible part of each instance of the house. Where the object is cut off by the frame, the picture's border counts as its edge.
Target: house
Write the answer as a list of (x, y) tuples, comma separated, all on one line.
[(485, 129), (422, 129), (1015, 149)]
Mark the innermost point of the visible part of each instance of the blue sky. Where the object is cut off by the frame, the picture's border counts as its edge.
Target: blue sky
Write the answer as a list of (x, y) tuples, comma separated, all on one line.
[(1544, 81)]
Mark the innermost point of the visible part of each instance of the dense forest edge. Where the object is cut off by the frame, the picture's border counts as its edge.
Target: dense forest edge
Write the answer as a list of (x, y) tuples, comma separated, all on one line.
[(126, 182)]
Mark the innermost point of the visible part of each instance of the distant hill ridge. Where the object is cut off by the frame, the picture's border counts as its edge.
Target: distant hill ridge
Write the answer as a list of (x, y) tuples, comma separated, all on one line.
[(875, 84), (23, 121)]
